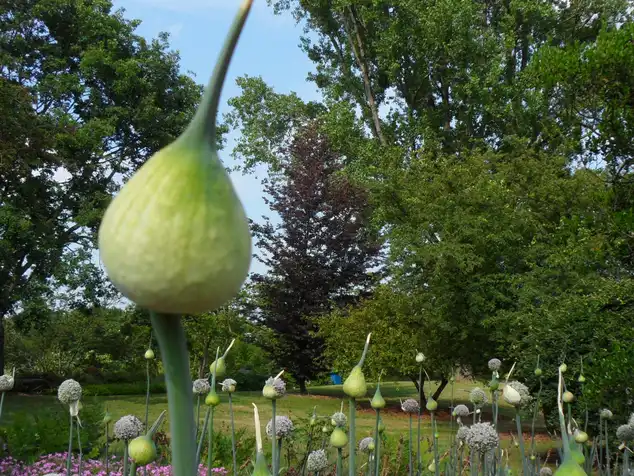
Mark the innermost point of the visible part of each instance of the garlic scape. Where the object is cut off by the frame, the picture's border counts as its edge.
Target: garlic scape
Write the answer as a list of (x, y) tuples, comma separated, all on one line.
[(570, 465), (260, 468), (355, 386), (176, 239)]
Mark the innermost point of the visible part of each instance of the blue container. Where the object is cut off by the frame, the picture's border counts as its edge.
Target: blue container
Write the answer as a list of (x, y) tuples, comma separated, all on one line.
[(336, 379)]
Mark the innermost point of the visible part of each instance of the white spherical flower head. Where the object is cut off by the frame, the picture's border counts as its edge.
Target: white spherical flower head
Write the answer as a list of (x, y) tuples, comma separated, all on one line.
[(545, 471), (410, 406), (606, 414), (6, 383), (625, 433), (420, 357), (366, 444), (495, 364), (461, 434), (631, 420), (339, 419), (317, 461), (482, 437), (478, 397), (525, 397), (229, 385), (461, 411), (69, 392), (274, 387), (283, 427), (128, 427), (201, 386)]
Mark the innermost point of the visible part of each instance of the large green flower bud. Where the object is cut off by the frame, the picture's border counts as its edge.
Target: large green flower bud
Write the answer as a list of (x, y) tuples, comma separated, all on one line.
[(176, 238), (355, 386), (142, 450), (338, 438)]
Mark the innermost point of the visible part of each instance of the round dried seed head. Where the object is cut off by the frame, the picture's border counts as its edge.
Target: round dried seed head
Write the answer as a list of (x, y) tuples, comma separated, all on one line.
[(461, 434), (482, 437), (461, 411), (625, 433), (366, 444), (495, 364), (317, 461), (283, 427), (6, 383), (127, 428), (478, 397), (605, 414), (69, 391), (201, 386), (410, 406), (545, 471), (525, 395), (229, 385), (339, 419), (274, 387)]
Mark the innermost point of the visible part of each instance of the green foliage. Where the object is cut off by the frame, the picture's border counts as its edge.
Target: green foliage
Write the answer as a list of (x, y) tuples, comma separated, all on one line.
[(29, 435)]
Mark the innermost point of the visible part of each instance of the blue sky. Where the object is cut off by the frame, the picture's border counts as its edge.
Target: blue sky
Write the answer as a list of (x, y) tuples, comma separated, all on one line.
[(268, 47)]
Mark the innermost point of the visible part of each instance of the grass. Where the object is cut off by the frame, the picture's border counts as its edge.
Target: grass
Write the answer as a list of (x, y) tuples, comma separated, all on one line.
[(327, 399)]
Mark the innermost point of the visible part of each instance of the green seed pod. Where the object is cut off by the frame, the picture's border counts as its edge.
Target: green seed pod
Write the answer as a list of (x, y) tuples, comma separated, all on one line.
[(563, 368), (142, 450), (377, 401), (431, 404), (581, 436), (338, 438), (538, 372), (212, 399), (176, 238), (221, 369), (581, 379), (568, 397), (149, 354)]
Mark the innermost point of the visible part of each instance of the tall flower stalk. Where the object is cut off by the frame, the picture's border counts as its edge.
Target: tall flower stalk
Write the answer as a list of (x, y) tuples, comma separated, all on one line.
[(229, 386), (107, 418), (378, 403), (69, 393), (211, 400), (260, 468), (7, 382), (274, 388), (355, 387), (420, 358)]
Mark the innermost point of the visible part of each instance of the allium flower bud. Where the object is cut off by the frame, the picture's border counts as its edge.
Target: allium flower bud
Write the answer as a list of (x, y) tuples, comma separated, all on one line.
[(521, 390), (461, 411), (431, 404), (338, 438), (354, 386), (69, 392), (201, 386), (127, 428), (482, 437), (625, 433), (366, 444), (339, 419), (538, 373), (478, 397), (606, 414), (580, 436), (410, 406), (229, 385), (377, 401), (7, 381), (461, 434), (283, 427), (212, 399), (220, 367), (274, 388), (107, 418), (420, 357), (495, 364), (142, 450), (568, 397), (149, 354), (325, 429), (581, 379), (317, 461), (563, 368)]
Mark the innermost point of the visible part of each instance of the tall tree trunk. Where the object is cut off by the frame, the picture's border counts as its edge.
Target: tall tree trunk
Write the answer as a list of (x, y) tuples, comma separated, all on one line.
[(204, 361), (421, 389), (302, 386)]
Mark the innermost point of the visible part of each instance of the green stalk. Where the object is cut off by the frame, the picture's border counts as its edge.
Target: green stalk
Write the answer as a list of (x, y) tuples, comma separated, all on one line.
[(274, 439), (279, 453), (125, 457), (339, 462), (210, 442), (626, 462), (132, 469), (147, 392), (436, 458), (520, 437), (535, 410), (1, 404), (410, 445), (233, 438), (377, 443), (601, 440), (607, 449), (353, 440), (81, 453), (419, 456), (201, 439), (173, 345), (70, 447), (107, 462), (308, 448), (197, 415)]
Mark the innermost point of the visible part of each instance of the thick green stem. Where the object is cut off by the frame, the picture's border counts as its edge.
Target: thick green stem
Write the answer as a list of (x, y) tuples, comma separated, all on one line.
[(201, 439), (279, 453), (435, 440), (419, 456), (353, 440), (274, 438), (607, 450), (626, 462), (339, 462), (520, 438), (107, 443), (81, 453), (147, 392), (132, 469), (1, 404), (233, 438), (125, 457), (377, 443), (411, 437), (197, 415), (210, 442), (70, 448), (173, 345)]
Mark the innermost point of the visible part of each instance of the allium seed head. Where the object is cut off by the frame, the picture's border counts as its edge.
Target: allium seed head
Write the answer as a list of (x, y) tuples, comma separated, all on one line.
[(545, 471), (606, 414), (478, 397), (495, 364), (229, 385), (339, 419), (525, 396), (317, 461), (420, 357), (274, 388), (127, 428), (6, 383), (201, 386), (366, 444), (283, 427), (461, 434), (410, 406), (461, 410), (482, 437), (69, 392), (625, 433)]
